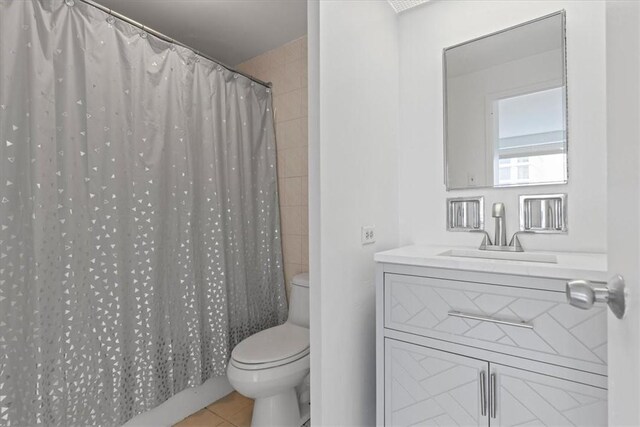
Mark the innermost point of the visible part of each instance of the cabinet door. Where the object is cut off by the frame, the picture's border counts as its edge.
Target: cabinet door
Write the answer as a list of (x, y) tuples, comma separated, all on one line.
[(533, 399), (430, 387)]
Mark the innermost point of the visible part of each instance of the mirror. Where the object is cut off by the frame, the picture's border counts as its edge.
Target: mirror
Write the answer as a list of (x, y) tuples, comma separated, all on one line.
[(506, 107)]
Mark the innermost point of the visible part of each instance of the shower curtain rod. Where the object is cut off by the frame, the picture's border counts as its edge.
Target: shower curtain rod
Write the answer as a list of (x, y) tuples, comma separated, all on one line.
[(170, 40)]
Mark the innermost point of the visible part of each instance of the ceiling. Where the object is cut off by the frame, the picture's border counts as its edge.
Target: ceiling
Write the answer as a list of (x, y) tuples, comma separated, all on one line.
[(402, 5), (230, 31)]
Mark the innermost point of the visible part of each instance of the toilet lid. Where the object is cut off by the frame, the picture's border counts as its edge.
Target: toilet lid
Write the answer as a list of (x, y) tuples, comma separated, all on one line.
[(275, 344)]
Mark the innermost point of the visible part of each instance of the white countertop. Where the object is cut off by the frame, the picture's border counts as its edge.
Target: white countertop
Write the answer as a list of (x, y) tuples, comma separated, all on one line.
[(570, 265)]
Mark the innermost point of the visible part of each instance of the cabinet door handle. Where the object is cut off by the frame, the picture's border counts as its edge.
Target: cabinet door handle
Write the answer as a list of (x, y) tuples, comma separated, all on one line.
[(483, 394), (519, 324), (493, 395)]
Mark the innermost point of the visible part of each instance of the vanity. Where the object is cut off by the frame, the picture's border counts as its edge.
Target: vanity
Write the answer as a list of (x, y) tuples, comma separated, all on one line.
[(467, 340), (496, 334)]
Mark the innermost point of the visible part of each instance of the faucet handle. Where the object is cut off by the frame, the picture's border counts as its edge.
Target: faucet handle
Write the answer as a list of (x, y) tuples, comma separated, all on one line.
[(486, 240), (515, 242)]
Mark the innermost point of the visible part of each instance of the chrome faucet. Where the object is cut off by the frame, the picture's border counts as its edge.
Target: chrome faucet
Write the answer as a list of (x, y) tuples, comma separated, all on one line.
[(497, 211), (500, 237)]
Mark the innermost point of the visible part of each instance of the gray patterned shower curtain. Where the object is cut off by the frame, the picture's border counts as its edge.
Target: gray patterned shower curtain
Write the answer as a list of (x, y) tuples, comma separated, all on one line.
[(139, 224)]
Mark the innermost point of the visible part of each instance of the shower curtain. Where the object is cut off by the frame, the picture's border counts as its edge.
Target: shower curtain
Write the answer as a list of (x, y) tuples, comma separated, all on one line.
[(139, 223)]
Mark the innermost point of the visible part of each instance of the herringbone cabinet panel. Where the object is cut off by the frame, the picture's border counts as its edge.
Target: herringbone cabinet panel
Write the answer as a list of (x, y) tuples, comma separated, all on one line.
[(428, 387), (532, 399)]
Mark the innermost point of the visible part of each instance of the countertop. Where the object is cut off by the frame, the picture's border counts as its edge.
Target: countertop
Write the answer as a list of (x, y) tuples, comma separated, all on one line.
[(570, 265)]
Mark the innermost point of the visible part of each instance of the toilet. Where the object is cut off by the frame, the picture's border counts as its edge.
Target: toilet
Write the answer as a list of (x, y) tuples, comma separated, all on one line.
[(272, 365)]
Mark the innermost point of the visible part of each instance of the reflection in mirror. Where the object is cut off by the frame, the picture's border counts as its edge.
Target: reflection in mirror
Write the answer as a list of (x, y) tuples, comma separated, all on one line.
[(505, 105)]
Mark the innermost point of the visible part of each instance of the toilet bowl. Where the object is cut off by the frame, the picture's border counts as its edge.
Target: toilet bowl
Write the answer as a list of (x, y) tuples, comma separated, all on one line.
[(269, 365)]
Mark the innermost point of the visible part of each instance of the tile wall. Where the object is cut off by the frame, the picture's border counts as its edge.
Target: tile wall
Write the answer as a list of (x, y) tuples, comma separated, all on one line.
[(286, 68)]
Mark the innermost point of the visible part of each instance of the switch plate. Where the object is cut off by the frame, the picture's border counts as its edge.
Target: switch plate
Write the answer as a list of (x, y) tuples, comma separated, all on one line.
[(368, 234)]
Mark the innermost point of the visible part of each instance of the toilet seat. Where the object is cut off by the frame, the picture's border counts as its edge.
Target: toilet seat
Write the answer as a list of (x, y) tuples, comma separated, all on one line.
[(272, 347)]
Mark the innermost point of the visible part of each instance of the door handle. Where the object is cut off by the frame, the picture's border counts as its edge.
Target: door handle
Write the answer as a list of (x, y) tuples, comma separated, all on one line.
[(518, 324), (582, 294), (493, 395), (483, 394)]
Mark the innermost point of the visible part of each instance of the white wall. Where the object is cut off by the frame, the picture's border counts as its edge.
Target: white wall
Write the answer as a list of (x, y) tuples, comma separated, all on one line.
[(423, 33), (353, 182), (376, 157), (315, 294)]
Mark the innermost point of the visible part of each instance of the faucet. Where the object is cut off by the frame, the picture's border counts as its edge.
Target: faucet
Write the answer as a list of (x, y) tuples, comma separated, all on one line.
[(500, 237), (497, 211)]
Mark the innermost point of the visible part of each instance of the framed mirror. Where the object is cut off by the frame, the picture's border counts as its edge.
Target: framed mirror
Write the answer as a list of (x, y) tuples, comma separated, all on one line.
[(505, 104)]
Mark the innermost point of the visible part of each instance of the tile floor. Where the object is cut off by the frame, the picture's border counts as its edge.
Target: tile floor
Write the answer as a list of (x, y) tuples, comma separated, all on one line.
[(233, 410)]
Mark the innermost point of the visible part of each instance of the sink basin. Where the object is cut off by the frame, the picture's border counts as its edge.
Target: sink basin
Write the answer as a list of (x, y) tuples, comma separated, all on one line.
[(508, 256)]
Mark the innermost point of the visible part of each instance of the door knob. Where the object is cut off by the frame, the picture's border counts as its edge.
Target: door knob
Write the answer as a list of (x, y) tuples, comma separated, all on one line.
[(582, 294)]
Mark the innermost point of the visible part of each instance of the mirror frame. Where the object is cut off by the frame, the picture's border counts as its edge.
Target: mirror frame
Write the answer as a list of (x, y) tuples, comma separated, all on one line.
[(563, 31)]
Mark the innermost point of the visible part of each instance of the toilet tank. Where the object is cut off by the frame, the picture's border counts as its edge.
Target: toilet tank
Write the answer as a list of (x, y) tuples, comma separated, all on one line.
[(299, 300)]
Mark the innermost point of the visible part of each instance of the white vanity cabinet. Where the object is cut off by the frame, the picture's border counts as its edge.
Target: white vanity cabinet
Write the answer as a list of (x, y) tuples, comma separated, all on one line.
[(468, 342)]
